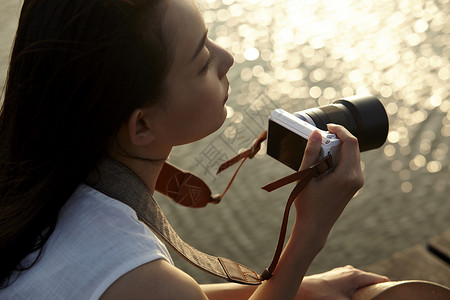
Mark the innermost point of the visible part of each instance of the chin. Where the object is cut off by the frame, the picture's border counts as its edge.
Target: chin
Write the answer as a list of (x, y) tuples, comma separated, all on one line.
[(201, 135), (220, 122), (215, 128), (208, 130), (222, 118)]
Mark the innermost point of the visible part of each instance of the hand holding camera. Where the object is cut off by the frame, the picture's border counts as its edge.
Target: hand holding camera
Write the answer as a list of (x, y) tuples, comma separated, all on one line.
[(322, 201), (363, 117)]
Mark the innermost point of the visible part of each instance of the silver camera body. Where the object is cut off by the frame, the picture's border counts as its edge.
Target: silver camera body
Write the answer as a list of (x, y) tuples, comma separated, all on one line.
[(288, 135)]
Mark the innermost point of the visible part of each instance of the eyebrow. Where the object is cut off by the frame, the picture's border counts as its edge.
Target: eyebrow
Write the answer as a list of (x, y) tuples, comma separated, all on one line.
[(200, 45)]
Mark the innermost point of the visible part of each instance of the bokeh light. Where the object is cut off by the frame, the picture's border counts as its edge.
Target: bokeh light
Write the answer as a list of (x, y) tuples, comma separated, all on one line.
[(309, 53)]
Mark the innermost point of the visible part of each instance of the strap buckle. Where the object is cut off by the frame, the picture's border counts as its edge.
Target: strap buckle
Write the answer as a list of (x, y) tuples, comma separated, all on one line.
[(322, 166)]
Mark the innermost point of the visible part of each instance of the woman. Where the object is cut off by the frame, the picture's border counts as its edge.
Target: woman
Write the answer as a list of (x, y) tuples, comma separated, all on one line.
[(129, 79)]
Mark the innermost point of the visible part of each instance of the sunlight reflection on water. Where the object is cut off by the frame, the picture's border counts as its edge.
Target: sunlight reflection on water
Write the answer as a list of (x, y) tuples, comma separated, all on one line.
[(302, 54)]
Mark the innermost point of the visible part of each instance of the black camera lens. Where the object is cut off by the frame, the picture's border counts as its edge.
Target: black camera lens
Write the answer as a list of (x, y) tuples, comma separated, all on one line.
[(364, 116)]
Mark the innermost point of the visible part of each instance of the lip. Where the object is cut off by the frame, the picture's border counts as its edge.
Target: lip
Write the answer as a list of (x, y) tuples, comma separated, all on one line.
[(226, 94)]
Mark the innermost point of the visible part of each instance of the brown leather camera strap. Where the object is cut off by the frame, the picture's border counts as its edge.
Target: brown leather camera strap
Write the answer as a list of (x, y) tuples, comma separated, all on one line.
[(184, 188), (117, 181), (189, 190), (302, 177)]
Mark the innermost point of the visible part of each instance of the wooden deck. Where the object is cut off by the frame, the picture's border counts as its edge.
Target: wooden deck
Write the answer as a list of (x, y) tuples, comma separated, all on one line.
[(429, 262)]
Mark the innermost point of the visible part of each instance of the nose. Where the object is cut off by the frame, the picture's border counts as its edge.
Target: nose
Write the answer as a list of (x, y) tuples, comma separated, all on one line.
[(226, 61)]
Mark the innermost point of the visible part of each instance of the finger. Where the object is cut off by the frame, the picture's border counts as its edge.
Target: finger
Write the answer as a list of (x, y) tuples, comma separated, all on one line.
[(367, 278), (349, 146), (312, 150), (340, 131)]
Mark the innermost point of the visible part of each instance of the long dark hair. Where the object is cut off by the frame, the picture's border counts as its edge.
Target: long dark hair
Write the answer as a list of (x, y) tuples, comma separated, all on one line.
[(78, 69)]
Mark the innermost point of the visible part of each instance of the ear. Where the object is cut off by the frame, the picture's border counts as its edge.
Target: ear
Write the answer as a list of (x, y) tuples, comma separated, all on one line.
[(139, 129)]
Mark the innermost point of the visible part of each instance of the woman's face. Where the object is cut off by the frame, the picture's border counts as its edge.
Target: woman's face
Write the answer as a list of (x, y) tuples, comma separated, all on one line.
[(196, 87)]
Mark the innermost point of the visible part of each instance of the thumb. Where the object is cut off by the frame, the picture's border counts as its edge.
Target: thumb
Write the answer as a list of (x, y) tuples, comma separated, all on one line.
[(312, 150)]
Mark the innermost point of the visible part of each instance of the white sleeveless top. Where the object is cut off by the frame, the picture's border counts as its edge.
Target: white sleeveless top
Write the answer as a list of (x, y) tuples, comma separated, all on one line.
[(97, 240)]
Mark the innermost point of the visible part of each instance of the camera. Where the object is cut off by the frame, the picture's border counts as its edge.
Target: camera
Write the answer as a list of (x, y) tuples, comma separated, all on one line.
[(364, 116), (287, 134)]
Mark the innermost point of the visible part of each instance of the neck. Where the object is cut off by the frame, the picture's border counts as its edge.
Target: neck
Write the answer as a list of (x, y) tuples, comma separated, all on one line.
[(147, 170)]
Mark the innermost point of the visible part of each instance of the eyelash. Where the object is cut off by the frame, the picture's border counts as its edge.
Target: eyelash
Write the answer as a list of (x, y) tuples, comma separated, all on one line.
[(208, 63)]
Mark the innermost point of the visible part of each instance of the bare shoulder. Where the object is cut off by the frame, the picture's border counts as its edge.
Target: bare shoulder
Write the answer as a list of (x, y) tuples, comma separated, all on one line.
[(155, 280)]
